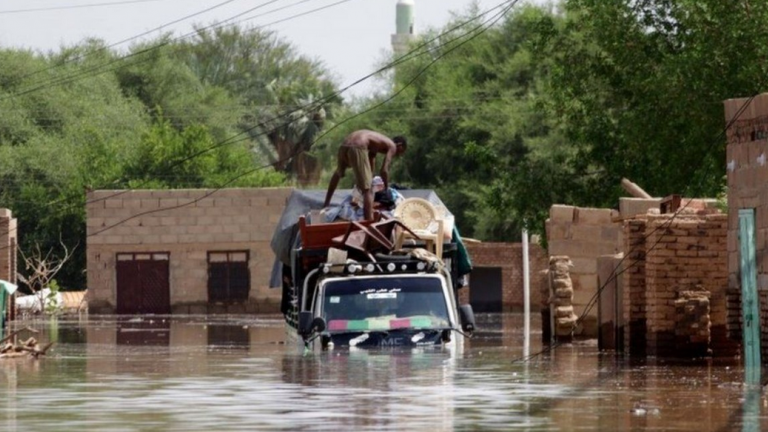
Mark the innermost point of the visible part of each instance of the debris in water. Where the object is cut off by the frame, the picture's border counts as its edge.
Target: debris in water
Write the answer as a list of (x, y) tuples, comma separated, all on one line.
[(27, 348)]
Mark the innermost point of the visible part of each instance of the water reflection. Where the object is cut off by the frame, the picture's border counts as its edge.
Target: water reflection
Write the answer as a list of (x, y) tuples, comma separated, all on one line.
[(236, 373)]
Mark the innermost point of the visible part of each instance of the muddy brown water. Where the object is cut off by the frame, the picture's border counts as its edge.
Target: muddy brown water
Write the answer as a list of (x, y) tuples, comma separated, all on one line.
[(198, 373)]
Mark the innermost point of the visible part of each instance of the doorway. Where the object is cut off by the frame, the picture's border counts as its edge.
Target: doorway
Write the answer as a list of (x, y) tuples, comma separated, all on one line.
[(143, 283), (485, 293)]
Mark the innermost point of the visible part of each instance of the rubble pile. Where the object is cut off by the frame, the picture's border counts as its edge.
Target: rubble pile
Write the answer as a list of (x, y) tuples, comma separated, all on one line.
[(562, 296), (692, 323)]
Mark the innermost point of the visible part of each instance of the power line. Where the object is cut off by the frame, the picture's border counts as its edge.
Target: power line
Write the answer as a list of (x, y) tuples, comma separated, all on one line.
[(83, 6), (492, 21), (99, 69), (616, 272), (80, 57), (415, 52)]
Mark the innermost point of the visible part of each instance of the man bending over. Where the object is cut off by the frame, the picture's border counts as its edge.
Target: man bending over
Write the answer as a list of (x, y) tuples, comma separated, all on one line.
[(359, 151)]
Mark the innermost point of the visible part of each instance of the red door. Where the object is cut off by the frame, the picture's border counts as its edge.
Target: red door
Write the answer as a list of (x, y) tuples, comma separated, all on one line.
[(143, 283)]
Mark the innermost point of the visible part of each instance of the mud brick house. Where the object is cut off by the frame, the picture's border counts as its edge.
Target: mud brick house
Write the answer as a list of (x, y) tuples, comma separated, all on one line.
[(747, 170), (182, 251), (496, 281), (665, 277)]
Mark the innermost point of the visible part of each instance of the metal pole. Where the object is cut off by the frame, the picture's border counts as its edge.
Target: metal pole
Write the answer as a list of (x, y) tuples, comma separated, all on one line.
[(526, 298)]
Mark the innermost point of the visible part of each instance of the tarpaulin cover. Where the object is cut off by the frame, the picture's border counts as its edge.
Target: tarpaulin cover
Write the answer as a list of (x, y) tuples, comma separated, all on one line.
[(300, 203)]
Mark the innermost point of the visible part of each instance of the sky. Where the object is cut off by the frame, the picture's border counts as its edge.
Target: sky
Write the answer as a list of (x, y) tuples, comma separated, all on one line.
[(351, 37)]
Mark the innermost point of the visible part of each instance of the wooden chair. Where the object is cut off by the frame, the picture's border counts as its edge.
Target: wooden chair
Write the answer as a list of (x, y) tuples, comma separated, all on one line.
[(364, 240)]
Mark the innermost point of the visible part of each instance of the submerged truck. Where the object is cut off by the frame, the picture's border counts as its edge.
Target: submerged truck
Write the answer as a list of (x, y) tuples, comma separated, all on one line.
[(346, 297)]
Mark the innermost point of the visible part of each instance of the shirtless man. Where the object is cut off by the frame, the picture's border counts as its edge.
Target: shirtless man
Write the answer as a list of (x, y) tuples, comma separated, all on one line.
[(358, 151)]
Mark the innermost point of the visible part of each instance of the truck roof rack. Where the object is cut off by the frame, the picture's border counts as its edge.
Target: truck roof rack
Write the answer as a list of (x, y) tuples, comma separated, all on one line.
[(390, 267)]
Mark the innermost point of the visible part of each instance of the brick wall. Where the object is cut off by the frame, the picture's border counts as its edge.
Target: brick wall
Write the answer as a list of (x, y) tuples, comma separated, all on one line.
[(634, 296), (583, 234), (8, 249), (509, 257), (687, 253), (747, 171), (192, 225)]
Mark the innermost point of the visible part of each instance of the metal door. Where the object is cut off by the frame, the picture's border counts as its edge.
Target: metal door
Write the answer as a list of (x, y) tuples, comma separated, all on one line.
[(749, 300), (143, 283), (485, 294)]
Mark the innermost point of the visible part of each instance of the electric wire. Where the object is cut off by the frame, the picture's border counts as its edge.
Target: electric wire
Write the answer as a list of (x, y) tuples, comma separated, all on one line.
[(83, 6), (616, 272), (82, 56), (415, 52), (300, 150), (104, 67)]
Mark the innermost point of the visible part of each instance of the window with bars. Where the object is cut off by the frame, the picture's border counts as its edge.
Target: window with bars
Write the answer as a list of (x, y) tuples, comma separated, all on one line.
[(229, 279)]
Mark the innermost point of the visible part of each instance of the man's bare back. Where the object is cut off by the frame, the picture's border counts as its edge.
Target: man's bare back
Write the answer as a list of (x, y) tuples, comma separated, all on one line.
[(353, 153)]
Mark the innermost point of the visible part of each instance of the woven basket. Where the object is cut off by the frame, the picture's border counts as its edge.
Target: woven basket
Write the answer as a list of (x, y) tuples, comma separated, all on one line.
[(416, 213)]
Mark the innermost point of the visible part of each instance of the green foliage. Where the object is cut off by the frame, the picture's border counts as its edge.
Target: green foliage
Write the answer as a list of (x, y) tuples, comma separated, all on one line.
[(173, 114), (557, 105), (206, 164), (284, 97)]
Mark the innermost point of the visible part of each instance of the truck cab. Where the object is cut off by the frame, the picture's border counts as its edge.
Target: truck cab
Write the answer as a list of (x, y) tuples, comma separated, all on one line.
[(337, 294), (409, 303)]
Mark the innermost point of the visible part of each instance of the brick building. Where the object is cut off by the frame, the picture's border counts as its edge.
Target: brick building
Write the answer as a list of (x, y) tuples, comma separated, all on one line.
[(182, 251), (496, 281), (747, 172), (675, 284), (8, 249)]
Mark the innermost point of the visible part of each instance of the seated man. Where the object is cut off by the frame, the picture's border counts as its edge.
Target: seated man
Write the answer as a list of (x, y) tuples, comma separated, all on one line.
[(352, 207)]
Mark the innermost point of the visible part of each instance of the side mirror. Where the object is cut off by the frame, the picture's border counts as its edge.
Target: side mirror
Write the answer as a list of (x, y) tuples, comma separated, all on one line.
[(318, 325), (309, 324), (467, 317)]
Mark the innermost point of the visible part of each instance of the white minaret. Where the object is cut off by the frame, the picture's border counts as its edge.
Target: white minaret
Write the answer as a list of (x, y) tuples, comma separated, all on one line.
[(405, 31)]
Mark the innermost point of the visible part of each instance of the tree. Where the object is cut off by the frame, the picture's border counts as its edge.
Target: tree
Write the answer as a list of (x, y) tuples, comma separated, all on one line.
[(286, 98)]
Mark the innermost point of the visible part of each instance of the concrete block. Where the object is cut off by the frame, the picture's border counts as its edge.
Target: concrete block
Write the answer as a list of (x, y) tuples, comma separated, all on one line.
[(258, 202), (586, 232), (581, 248), (204, 202), (591, 216), (561, 213), (150, 203), (222, 202), (630, 207), (169, 238), (584, 265)]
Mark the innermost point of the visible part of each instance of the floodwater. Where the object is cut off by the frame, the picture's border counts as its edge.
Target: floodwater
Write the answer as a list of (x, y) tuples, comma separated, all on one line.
[(200, 373)]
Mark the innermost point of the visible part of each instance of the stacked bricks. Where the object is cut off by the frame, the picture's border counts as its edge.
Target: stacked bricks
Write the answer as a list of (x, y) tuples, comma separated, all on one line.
[(583, 234), (187, 224), (692, 324), (562, 297), (8, 250), (634, 295), (509, 257), (747, 170), (685, 253)]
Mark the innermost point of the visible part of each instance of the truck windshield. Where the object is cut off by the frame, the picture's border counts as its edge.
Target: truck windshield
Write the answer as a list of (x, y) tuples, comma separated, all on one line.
[(385, 304)]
